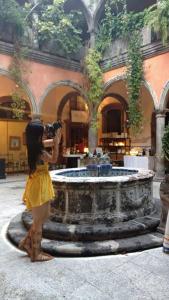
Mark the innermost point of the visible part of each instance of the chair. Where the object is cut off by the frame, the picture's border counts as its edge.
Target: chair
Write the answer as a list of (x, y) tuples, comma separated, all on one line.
[(9, 163), (23, 161)]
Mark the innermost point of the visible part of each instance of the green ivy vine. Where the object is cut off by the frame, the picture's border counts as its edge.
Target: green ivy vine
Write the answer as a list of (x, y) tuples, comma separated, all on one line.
[(64, 28), (53, 24), (14, 14), (118, 23), (157, 17), (18, 71), (94, 81), (134, 81)]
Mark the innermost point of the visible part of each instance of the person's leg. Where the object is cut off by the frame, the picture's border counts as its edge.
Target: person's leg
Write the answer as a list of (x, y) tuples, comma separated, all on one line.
[(25, 243), (40, 214), (166, 237)]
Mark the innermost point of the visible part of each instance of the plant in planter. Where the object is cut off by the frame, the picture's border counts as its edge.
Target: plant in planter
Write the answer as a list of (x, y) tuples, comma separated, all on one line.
[(157, 17), (164, 186)]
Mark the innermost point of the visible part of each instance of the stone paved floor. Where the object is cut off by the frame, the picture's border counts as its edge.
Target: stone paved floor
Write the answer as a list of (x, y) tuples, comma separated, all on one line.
[(141, 275)]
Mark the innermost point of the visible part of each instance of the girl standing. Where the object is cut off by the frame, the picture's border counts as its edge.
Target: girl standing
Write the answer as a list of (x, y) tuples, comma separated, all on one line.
[(39, 190)]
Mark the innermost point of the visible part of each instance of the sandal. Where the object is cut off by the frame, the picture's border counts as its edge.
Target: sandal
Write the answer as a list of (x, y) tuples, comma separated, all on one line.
[(42, 256), (36, 253), (25, 243), (165, 250)]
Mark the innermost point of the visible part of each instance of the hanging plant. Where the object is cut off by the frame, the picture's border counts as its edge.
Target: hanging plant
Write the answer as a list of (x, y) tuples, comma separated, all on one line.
[(134, 81), (157, 17), (18, 71), (94, 81), (11, 12), (61, 27), (18, 105), (94, 75), (118, 23)]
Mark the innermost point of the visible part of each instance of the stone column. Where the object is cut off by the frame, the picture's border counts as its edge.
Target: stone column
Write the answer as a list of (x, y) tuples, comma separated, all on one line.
[(159, 160)]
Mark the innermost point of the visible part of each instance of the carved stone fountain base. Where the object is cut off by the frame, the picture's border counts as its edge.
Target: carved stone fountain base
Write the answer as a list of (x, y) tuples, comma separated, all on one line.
[(83, 240)]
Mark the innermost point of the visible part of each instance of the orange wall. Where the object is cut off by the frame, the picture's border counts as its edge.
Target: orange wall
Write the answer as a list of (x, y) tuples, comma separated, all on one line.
[(41, 76), (156, 72)]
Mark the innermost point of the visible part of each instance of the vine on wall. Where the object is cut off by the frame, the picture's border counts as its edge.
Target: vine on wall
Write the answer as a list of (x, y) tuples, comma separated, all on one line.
[(13, 14), (134, 81), (94, 81), (65, 30), (53, 24), (118, 23), (18, 71)]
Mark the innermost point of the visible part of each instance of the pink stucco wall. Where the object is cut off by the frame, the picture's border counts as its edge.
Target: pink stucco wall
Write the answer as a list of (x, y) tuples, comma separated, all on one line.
[(156, 72), (41, 76)]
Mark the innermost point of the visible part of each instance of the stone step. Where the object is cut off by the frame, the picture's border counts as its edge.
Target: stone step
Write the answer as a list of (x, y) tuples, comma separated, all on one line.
[(16, 231), (100, 232)]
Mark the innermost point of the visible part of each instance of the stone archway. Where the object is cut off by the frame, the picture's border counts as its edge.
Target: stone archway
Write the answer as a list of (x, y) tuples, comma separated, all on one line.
[(12, 127), (161, 122), (74, 113), (28, 92), (86, 12), (145, 83), (163, 97), (98, 12), (146, 139), (63, 102), (113, 129), (55, 105), (64, 83)]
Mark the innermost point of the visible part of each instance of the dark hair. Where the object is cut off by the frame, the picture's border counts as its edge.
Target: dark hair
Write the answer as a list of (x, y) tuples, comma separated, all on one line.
[(34, 134)]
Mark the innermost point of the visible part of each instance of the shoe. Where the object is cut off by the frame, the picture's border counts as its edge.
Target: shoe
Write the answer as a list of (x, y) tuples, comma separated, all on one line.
[(25, 243), (36, 254), (165, 250)]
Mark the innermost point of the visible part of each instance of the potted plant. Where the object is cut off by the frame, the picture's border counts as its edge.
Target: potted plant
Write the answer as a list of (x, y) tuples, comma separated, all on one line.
[(164, 186)]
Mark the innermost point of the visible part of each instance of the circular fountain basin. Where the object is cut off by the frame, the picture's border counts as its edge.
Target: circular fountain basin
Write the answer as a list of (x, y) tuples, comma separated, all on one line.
[(97, 215), (124, 195)]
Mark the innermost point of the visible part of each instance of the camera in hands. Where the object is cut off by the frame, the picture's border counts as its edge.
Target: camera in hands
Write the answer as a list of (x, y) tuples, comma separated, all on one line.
[(51, 129)]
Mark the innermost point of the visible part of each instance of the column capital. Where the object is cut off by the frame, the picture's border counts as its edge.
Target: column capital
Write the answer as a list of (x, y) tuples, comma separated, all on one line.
[(160, 114), (35, 116)]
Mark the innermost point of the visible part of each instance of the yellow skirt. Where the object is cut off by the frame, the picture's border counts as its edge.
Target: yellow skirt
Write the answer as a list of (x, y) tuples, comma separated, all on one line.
[(39, 188)]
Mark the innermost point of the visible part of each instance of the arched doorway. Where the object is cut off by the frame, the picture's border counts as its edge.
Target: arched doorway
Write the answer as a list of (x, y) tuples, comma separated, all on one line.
[(65, 102), (113, 130), (145, 141), (73, 112), (12, 127)]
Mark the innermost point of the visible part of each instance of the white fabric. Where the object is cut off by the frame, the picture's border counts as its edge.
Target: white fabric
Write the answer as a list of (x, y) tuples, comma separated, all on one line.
[(140, 162)]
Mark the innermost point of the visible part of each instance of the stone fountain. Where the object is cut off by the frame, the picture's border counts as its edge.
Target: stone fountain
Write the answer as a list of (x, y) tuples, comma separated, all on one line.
[(98, 209)]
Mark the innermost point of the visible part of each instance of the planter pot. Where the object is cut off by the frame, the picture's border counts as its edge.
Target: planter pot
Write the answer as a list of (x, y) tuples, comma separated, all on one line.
[(164, 196)]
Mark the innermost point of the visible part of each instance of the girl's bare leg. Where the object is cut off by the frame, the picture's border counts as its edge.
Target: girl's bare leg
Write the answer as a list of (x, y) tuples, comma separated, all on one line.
[(40, 214)]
